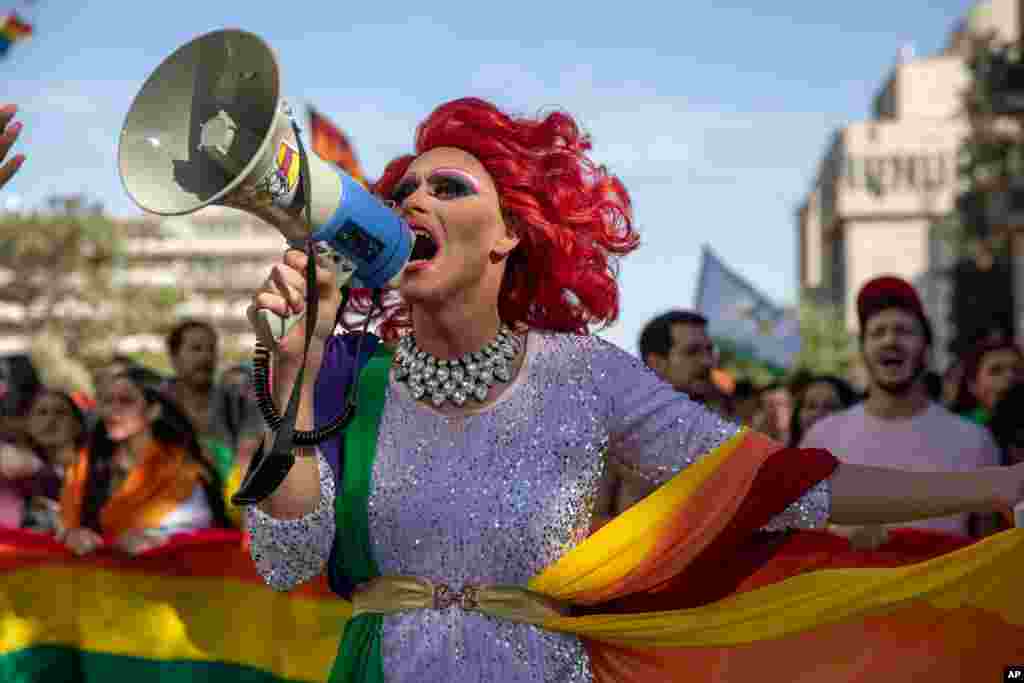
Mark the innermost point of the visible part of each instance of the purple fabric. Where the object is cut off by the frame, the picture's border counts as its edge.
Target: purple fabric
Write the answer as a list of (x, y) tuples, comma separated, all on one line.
[(331, 390), (43, 484), (14, 492)]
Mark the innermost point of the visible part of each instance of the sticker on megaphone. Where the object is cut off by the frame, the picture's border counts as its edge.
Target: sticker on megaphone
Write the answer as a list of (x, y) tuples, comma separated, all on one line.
[(276, 326)]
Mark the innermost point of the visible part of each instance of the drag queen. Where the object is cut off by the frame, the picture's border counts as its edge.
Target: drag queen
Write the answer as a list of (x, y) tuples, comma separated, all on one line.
[(455, 513)]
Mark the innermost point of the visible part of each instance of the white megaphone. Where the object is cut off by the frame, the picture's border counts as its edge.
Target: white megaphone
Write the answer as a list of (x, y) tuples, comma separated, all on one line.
[(209, 127)]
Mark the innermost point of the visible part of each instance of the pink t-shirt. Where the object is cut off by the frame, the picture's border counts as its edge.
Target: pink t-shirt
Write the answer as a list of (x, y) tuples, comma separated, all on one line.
[(12, 505), (931, 441)]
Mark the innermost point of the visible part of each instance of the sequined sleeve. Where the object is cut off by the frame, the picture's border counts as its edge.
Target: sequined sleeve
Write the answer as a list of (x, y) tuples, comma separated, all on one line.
[(657, 431), (809, 511), (288, 552), (653, 429)]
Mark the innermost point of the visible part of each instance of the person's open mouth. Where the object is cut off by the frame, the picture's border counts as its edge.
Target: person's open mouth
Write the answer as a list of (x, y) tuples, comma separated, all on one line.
[(425, 248)]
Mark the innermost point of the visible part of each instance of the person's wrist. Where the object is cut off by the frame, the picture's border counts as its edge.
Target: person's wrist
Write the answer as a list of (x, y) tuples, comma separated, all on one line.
[(992, 491), (287, 365)]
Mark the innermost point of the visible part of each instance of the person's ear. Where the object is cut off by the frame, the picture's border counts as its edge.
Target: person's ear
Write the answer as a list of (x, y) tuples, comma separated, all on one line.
[(507, 243)]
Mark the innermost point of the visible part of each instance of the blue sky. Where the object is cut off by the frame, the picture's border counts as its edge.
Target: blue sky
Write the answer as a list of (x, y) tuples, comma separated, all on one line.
[(714, 114)]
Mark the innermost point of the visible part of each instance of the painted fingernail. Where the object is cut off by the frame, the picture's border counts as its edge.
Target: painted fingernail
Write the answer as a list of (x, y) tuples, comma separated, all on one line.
[(14, 128)]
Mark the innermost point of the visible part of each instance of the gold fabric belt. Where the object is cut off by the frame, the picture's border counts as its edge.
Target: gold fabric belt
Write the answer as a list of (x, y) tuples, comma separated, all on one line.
[(392, 594)]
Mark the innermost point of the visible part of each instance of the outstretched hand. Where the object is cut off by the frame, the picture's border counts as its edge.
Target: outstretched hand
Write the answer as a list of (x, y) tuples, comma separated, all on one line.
[(7, 138)]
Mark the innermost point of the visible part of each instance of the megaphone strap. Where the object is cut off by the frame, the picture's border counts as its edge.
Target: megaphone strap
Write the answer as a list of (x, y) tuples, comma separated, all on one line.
[(266, 472), (285, 435)]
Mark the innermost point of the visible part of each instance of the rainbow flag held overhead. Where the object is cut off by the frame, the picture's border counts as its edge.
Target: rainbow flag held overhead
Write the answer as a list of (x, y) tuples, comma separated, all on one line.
[(12, 29), (331, 144), (193, 610)]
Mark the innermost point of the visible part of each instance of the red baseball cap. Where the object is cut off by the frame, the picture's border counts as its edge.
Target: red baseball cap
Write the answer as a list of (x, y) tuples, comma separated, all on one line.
[(889, 291)]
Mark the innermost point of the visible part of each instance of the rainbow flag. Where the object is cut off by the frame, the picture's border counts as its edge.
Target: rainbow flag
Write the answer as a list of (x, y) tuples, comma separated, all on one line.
[(194, 610), (331, 144), (12, 29), (682, 592), (682, 587)]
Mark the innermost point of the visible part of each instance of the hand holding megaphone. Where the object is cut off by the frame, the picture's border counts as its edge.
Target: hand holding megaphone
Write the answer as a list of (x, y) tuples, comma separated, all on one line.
[(283, 294)]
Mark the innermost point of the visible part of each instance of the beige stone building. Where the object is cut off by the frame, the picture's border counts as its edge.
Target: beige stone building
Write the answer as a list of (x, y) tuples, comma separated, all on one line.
[(214, 258), (885, 184)]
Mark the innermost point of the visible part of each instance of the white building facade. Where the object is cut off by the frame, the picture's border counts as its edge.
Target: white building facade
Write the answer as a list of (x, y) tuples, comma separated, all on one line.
[(886, 185)]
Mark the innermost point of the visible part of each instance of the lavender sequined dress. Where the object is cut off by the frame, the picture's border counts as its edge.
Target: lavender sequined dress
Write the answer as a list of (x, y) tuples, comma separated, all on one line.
[(496, 496)]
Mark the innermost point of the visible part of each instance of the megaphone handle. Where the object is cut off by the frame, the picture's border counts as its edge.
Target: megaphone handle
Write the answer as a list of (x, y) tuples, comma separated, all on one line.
[(277, 326)]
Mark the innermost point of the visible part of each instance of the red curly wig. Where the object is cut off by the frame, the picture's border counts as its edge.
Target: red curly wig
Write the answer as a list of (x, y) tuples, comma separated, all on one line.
[(573, 218)]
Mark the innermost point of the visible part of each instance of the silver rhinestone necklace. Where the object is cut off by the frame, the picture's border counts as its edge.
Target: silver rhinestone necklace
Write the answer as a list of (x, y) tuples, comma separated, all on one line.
[(459, 380)]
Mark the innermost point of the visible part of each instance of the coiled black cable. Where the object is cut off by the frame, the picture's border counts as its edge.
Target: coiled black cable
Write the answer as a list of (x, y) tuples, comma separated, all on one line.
[(261, 381)]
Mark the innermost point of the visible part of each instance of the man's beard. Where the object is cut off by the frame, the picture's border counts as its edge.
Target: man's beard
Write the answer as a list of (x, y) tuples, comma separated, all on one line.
[(904, 387)]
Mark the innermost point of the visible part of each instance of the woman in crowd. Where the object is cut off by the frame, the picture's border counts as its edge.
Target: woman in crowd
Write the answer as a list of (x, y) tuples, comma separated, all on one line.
[(460, 527), (142, 477), (33, 464), (819, 396), (990, 369), (59, 428)]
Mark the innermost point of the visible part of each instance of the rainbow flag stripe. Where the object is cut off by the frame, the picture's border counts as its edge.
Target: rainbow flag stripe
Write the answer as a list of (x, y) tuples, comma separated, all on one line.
[(194, 610), (681, 591), (12, 29)]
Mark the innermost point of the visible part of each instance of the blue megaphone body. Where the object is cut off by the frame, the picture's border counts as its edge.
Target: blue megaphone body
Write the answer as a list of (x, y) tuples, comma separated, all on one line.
[(371, 235)]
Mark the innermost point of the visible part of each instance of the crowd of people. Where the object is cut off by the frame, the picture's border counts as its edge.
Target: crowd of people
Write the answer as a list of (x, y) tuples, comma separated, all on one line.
[(145, 457), (135, 458), (908, 416)]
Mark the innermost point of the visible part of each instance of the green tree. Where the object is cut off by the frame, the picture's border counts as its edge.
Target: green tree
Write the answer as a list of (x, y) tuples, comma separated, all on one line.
[(743, 367), (826, 346), (991, 178), (60, 264)]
